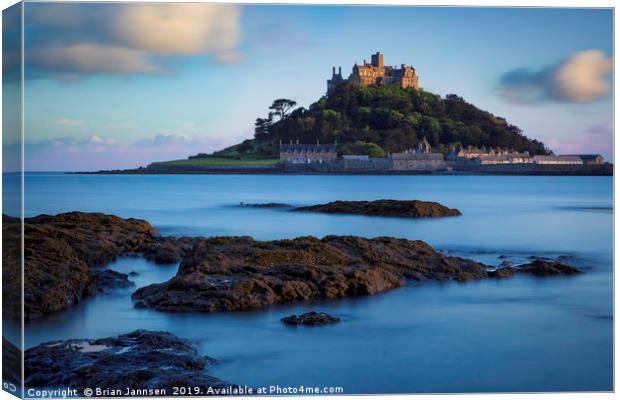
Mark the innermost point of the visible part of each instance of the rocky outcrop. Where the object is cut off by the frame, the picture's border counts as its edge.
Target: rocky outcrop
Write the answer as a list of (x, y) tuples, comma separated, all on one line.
[(59, 254), (538, 267), (137, 360), (311, 318), (504, 272), (385, 208), (215, 274), (169, 250), (239, 273), (542, 267), (103, 281), (267, 205)]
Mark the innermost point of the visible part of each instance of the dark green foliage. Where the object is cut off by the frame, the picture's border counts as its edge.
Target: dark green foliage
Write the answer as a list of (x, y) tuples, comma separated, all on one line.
[(393, 119), (362, 148)]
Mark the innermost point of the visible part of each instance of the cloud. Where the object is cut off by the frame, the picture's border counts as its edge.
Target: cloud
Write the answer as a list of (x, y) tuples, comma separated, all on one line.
[(229, 57), (163, 139), (580, 78), (95, 152), (181, 29), (90, 58), (72, 40), (68, 122), (597, 139)]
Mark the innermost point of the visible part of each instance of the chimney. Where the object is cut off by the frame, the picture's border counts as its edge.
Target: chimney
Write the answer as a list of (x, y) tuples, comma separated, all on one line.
[(333, 70), (339, 70)]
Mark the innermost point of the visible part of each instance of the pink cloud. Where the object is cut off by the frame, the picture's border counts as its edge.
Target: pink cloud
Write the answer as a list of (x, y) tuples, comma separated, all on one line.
[(96, 153), (598, 139)]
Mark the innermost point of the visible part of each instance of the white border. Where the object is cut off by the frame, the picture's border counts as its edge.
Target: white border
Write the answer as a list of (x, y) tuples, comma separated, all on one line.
[(479, 3)]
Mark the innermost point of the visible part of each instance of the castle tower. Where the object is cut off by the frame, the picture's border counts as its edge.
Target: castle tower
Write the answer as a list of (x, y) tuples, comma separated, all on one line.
[(335, 80), (377, 60)]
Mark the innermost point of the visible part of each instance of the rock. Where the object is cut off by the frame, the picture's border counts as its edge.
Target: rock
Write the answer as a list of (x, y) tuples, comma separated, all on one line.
[(165, 253), (169, 250), (539, 258), (540, 267), (311, 318), (107, 279), (267, 205), (133, 273), (506, 263), (505, 272), (386, 208), (238, 273), (59, 253), (137, 360)]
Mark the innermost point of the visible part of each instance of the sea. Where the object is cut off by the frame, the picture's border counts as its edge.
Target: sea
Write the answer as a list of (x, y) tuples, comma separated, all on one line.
[(524, 334)]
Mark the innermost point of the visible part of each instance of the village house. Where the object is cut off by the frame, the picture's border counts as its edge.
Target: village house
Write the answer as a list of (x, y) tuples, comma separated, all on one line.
[(558, 160), (491, 156), (308, 153), (376, 73), (420, 159), (590, 158)]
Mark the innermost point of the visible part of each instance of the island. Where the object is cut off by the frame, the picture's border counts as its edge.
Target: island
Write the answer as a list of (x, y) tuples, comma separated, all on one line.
[(385, 208), (366, 125)]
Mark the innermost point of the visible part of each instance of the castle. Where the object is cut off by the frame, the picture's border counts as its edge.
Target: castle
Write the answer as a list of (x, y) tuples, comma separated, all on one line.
[(376, 73)]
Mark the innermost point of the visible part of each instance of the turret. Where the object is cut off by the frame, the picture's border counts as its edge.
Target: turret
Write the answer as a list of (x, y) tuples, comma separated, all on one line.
[(377, 60)]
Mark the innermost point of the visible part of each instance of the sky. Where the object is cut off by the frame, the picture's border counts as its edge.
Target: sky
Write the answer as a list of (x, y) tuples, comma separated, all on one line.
[(121, 85)]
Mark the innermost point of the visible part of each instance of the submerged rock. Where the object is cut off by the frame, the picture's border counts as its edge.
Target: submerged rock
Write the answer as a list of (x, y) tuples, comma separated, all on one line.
[(239, 273), (107, 279), (137, 360), (538, 267), (542, 267), (386, 208), (267, 205), (311, 318)]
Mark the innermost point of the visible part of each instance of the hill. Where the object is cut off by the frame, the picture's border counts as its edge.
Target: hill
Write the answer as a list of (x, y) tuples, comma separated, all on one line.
[(376, 120)]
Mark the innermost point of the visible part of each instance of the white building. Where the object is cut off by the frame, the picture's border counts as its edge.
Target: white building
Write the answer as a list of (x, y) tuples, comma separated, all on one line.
[(558, 160)]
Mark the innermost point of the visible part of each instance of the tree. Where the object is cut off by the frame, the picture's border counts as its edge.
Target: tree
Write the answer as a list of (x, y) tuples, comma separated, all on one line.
[(281, 107), (261, 127), (390, 117)]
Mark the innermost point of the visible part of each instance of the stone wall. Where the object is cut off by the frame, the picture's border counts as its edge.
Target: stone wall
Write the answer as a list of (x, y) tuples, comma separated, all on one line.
[(536, 169)]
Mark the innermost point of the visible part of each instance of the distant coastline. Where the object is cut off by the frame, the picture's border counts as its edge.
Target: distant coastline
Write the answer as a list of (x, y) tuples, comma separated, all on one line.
[(278, 169)]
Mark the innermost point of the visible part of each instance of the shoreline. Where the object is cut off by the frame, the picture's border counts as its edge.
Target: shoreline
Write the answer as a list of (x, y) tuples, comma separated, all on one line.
[(605, 170)]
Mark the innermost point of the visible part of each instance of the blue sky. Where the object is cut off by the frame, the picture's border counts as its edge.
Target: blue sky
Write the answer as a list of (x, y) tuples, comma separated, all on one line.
[(121, 85)]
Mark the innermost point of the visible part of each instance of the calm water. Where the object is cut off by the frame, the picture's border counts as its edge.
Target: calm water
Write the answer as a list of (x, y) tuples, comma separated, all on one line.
[(522, 334)]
